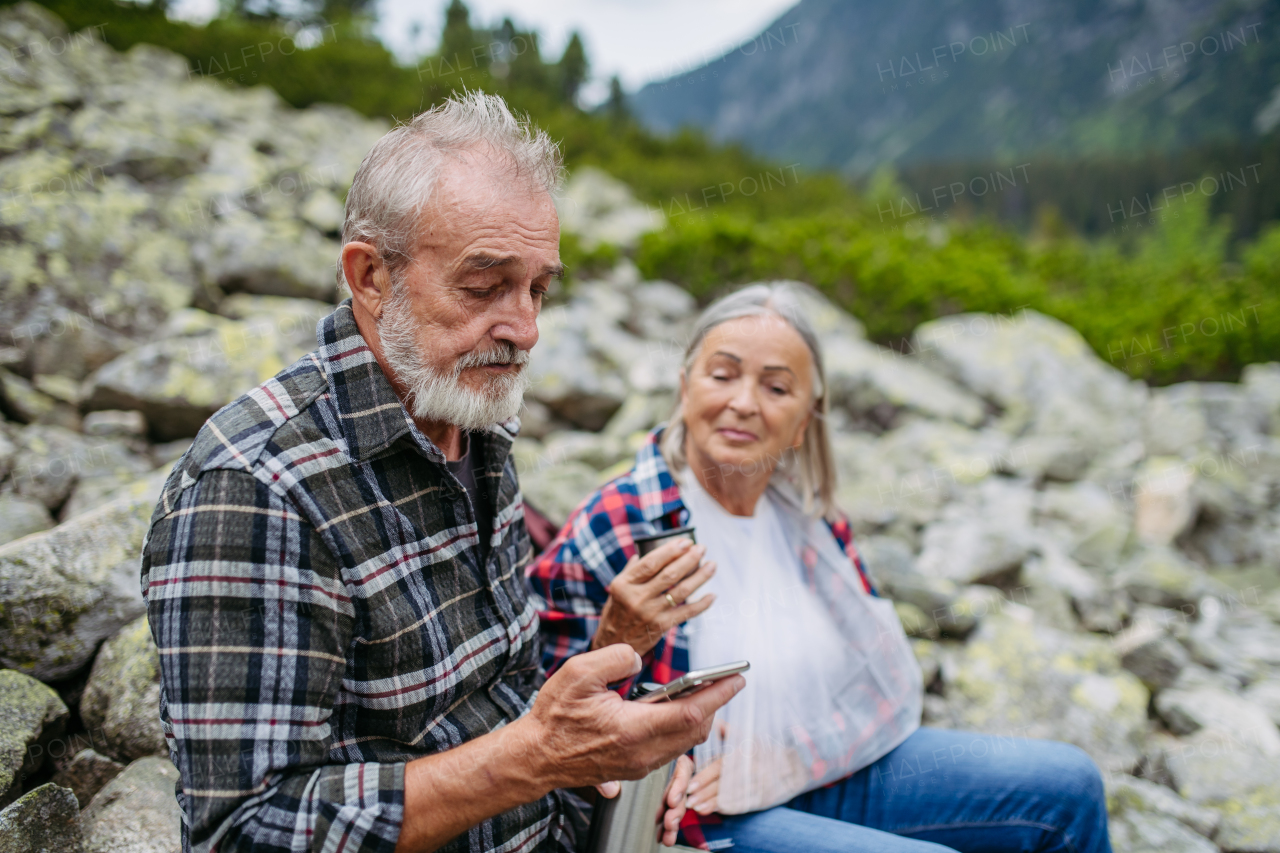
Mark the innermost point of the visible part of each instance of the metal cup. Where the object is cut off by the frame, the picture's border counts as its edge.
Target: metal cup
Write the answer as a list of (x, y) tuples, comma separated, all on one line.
[(632, 821), (645, 544)]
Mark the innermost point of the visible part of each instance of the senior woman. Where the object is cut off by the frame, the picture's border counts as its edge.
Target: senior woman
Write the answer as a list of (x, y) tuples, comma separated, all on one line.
[(822, 751)]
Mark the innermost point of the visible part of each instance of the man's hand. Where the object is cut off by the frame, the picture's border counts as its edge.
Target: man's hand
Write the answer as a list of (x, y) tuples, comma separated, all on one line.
[(579, 732), (638, 611)]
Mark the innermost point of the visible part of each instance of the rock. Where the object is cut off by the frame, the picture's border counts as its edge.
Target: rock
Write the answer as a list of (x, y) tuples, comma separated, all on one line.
[(50, 461), (1151, 654), (27, 404), (1040, 371), (46, 820), (1050, 457), (1164, 501), (1130, 794), (1088, 522), (122, 699), (1262, 385), (21, 516), (1225, 771), (877, 386), (60, 342), (1266, 695), (201, 363), (136, 812), (1015, 678), (113, 467), (973, 549), (571, 378), (601, 209), (86, 774), (915, 622), (664, 313), (115, 424), (269, 258), (1140, 832), (1188, 711), (554, 487), (66, 590), (1164, 577), (1170, 428), (966, 610), (31, 715)]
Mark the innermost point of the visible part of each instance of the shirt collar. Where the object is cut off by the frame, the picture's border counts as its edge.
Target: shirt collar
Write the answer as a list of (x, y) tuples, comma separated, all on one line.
[(371, 414), (658, 493)]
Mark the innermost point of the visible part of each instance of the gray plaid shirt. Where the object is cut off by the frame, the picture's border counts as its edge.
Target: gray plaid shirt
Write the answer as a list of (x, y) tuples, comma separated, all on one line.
[(313, 586)]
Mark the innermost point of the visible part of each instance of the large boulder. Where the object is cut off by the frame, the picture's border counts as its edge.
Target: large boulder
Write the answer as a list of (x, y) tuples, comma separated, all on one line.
[(1016, 678), (21, 516), (1188, 711), (601, 209), (46, 820), (1040, 371), (201, 363), (136, 812), (65, 590), (1225, 771), (31, 715), (121, 702), (87, 773)]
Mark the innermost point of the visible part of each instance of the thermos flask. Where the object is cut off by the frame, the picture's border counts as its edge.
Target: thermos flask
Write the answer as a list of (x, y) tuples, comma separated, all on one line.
[(631, 821)]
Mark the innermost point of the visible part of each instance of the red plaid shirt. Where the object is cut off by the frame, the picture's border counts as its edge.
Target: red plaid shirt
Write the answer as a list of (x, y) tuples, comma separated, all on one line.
[(569, 583)]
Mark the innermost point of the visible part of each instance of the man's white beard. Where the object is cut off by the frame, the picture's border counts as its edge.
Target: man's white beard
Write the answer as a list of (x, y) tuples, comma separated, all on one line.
[(441, 397)]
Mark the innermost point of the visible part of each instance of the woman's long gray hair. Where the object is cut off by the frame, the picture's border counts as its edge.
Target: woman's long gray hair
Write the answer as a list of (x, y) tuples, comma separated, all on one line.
[(811, 468)]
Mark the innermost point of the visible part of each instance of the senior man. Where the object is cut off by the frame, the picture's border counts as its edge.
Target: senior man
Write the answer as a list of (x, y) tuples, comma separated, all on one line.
[(333, 575)]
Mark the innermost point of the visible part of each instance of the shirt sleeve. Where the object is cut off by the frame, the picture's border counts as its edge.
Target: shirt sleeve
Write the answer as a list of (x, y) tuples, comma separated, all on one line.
[(252, 620)]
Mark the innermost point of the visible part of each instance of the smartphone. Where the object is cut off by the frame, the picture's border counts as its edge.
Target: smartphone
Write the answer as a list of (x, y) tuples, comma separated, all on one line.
[(687, 684)]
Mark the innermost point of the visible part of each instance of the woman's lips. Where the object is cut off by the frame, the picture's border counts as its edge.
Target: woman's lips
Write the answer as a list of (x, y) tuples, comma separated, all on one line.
[(736, 434)]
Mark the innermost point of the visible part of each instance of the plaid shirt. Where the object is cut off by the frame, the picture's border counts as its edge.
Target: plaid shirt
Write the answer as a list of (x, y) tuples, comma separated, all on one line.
[(570, 581), (312, 584)]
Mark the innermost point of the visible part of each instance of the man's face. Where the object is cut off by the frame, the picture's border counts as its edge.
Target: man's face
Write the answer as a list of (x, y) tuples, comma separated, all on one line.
[(457, 334)]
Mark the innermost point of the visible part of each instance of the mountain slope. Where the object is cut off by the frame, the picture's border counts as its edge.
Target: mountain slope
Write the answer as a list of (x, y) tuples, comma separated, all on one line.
[(852, 84)]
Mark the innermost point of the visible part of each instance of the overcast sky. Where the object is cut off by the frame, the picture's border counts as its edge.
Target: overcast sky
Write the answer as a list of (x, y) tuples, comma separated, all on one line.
[(639, 40)]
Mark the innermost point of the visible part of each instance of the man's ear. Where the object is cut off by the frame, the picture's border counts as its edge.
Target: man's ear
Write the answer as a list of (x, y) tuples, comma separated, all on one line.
[(367, 277)]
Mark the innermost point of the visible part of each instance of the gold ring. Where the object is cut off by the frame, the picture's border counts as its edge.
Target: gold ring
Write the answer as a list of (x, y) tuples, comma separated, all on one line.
[(670, 600)]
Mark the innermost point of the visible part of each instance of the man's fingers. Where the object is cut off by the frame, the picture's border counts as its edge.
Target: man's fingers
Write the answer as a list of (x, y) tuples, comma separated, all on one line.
[(609, 790), (677, 719), (594, 671), (654, 562)]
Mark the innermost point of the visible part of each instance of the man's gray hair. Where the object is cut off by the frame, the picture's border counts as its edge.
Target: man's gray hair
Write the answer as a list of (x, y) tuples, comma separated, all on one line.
[(811, 468), (396, 181)]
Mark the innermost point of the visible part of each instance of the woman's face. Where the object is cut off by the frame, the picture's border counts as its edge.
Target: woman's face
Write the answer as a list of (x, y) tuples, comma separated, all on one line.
[(748, 395)]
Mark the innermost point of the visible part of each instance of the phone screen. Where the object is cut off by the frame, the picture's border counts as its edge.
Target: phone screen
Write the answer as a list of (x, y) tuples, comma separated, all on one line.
[(690, 683)]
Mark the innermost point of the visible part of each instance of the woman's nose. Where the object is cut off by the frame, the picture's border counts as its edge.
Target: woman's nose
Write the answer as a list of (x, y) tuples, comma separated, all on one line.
[(744, 401)]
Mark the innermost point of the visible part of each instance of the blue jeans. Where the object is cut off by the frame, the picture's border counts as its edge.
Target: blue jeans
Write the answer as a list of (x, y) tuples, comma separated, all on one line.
[(939, 791)]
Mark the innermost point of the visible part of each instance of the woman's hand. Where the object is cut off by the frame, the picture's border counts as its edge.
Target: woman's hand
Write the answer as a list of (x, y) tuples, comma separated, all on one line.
[(649, 596), (674, 800), (704, 790)]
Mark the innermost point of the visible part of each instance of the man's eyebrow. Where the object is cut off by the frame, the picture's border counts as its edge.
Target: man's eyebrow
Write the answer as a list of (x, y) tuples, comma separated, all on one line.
[(486, 261)]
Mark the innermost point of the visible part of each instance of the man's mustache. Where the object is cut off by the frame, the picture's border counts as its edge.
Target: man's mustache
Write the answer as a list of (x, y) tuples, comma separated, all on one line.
[(504, 352)]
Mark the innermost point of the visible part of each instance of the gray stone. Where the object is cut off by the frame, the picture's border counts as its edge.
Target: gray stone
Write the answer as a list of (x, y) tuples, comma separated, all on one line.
[(915, 622), (86, 774), (973, 549), (65, 590), (136, 812), (1225, 771), (1164, 577), (61, 342), (31, 715), (1164, 500), (1051, 457), (50, 460), (46, 820), (1130, 794), (574, 379), (111, 467), (21, 516), (601, 209), (964, 612), (121, 702), (29, 405), (1140, 832), (1188, 711), (1262, 385), (269, 258), (201, 363), (1040, 371), (117, 424), (1266, 695), (1090, 525), (1151, 654), (1015, 678), (555, 487)]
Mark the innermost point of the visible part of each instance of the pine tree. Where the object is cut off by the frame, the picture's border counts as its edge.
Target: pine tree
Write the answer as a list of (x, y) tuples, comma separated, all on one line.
[(573, 68)]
